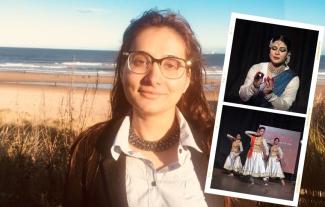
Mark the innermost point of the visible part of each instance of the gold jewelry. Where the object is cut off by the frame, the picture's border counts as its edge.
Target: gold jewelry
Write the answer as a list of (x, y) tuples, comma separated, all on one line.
[(275, 70)]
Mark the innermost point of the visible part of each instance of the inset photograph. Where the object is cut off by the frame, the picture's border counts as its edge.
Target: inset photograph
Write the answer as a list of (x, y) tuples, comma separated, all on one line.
[(271, 65), (257, 154), (262, 122)]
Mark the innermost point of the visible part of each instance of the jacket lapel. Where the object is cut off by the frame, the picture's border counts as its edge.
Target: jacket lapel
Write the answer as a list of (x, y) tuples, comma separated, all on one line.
[(112, 171)]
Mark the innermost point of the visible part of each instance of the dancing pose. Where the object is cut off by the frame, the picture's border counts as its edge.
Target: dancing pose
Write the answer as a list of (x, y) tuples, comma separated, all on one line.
[(273, 168), (272, 84), (254, 165), (233, 161)]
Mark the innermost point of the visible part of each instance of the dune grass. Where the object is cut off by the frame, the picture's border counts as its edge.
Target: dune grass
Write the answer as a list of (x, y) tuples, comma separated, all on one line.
[(34, 152), (33, 163)]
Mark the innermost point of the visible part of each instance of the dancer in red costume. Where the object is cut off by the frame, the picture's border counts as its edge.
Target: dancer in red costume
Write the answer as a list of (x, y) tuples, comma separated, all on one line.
[(254, 165)]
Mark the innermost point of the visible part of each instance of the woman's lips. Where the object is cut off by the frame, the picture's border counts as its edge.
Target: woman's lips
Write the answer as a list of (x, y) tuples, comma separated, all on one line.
[(150, 94)]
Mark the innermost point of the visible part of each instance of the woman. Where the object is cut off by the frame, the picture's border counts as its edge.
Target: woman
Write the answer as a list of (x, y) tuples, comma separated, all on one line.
[(274, 169), (254, 164), (154, 149), (272, 84), (233, 161)]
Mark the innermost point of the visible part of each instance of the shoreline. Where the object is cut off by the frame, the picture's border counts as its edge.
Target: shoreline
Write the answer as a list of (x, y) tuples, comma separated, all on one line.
[(57, 78), (20, 76), (87, 105)]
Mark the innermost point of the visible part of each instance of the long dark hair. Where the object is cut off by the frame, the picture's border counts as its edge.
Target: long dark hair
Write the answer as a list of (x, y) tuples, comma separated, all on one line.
[(192, 104)]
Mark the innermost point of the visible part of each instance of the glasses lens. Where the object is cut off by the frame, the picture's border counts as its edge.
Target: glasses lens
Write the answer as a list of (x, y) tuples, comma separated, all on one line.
[(138, 62), (172, 67)]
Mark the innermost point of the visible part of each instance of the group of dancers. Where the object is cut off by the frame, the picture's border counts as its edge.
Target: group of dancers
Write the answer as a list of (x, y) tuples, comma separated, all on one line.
[(260, 162)]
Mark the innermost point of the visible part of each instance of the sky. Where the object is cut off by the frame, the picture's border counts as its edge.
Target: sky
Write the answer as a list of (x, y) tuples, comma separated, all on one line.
[(99, 24)]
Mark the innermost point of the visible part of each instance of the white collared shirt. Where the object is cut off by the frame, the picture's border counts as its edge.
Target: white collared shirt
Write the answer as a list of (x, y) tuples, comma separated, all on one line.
[(173, 185)]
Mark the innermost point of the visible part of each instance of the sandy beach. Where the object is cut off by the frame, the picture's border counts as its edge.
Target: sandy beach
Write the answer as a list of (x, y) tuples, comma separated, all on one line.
[(53, 78), (51, 102)]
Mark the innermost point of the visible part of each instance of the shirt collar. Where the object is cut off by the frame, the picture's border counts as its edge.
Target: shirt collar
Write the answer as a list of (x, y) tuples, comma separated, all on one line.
[(121, 143)]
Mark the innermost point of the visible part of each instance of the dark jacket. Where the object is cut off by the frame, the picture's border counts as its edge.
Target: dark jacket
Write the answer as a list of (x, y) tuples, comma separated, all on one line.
[(94, 178)]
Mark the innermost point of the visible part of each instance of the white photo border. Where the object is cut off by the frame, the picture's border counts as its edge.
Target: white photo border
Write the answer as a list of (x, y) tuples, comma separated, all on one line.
[(221, 103)]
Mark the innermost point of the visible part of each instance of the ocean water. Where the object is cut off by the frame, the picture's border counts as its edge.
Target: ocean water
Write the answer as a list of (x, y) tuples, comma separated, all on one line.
[(57, 60), (90, 62), (78, 61)]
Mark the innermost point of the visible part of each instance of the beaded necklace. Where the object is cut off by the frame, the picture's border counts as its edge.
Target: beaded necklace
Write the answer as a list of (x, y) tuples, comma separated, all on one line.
[(275, 70), (163, 144)]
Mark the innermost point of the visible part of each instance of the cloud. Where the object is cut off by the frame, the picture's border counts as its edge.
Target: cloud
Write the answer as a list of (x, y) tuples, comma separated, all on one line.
[(90, 10)]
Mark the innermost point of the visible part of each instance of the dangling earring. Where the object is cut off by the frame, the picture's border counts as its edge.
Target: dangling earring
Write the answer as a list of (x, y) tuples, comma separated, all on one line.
[(287, 61)]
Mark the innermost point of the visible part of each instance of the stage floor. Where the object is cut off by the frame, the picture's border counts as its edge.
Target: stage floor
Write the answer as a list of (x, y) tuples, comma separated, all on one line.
[(241, 184)]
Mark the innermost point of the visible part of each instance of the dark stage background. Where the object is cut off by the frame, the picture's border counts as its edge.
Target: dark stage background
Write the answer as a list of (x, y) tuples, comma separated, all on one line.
[(251, 46), (237, 120)]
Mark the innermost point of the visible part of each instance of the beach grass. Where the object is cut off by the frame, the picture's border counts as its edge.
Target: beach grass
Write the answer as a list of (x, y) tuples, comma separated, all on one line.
[(34, 150), (33, 163), (34, 156)]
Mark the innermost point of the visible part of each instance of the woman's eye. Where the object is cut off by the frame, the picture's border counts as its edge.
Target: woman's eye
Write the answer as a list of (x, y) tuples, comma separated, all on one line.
[(138, 62), (171, 64), (283, 50)]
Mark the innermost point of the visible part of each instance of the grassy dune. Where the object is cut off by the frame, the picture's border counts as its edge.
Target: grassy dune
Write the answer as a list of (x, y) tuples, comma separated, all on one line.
[(313, 182), (33, 163)]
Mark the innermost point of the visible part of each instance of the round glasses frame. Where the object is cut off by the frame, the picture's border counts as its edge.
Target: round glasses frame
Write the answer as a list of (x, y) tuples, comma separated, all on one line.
[(187, 63)]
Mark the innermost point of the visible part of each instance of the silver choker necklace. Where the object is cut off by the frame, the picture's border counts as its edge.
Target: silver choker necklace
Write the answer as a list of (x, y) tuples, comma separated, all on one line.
[(163, 144)]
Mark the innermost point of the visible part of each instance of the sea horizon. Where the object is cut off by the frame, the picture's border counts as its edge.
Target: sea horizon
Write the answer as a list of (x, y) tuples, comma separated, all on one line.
[(87, 61)]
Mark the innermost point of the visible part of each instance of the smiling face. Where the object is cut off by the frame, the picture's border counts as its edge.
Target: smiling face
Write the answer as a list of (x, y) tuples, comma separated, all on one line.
[(260, 132), (278, 52), (151, 93), (238, 137)]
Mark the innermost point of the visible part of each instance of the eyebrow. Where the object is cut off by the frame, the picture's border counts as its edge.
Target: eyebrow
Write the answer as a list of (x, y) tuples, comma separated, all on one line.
[(165, 56), (280, 47)]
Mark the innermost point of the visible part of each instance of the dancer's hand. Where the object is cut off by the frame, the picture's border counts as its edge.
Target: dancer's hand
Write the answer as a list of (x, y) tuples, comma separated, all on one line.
[(269, 83), (258, 79)]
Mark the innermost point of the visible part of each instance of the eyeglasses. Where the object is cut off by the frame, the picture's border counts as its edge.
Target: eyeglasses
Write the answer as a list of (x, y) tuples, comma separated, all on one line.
[(171, 67)]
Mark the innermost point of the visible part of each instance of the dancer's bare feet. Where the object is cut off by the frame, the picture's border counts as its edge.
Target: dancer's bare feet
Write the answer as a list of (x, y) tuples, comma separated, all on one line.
[(252, 181), (282, 182), (266, 180)]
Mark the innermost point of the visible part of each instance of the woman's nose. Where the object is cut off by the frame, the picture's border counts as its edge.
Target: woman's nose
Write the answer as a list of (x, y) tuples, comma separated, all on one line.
[(154, 75)]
